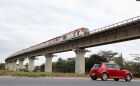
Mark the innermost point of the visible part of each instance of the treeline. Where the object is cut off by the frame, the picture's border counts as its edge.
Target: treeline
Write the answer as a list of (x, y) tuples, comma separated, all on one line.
[(61, 65), (2, 66)]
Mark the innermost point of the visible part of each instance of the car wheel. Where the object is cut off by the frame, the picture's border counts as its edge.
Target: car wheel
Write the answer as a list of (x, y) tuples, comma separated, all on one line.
[(116, 79), (104, 77), (94, 78), (128, 77)]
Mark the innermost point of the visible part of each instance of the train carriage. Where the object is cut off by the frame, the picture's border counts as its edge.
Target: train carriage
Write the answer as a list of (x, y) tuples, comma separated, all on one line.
[(71, 35)]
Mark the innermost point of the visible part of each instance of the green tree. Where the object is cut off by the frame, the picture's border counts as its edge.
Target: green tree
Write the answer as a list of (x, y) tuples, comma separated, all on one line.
[(42, 67), (26, 66), (119, 60), (129, 65), (137, 62), (70, 67), (60, 66), (2, 66), (94, 58), (133, 66), (109, 55), (37, 69)]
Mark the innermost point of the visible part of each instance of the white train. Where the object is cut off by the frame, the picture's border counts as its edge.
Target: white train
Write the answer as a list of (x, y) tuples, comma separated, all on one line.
[(71, 35)]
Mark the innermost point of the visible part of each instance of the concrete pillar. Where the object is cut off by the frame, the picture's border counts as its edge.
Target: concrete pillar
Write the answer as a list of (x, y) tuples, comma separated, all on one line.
[(10, 66), (31, 63), (14, 65), (80, 61), (20, 65), (48, 62), (6, 65)]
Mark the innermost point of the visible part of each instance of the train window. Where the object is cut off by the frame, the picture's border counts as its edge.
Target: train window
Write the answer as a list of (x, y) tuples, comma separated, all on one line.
[(64, 37), (86, 30), (60, 38), (74, 33), (70, 35), (56, 40), (53, 41), (78, 32)]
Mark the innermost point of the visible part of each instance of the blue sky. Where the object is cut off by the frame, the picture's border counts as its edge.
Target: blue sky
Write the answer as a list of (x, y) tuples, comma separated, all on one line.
[(27, 22)]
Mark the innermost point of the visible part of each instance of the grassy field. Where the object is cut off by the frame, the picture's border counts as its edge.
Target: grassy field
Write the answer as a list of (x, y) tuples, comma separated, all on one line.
[(39, 74), (8, 73)]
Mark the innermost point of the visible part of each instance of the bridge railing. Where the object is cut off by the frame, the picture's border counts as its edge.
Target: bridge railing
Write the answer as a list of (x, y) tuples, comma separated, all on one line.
[(115, 25)]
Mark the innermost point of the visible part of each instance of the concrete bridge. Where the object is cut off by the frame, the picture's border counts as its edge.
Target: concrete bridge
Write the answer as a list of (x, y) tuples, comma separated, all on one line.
[(118, 32)]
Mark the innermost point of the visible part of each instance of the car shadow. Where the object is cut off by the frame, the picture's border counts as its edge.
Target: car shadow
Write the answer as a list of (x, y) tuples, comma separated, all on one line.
[(99, 80)]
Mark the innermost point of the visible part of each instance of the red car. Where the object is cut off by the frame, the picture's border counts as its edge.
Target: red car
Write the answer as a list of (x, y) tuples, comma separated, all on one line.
[(111, 71)]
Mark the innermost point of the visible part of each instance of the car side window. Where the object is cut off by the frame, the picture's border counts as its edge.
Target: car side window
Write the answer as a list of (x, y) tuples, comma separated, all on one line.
[(109, 65), (97, 65), (116, 66)]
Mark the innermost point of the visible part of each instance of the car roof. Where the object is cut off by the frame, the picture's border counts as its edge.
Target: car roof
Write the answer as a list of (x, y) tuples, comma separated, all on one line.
[(108, 63), (105, 63)]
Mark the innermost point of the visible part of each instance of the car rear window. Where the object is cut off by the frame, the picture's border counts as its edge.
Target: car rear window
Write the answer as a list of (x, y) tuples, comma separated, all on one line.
[(97, 65)]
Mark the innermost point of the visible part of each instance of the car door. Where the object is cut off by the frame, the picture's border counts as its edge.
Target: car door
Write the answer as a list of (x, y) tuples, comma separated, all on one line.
[(110, 70), (118, 71)]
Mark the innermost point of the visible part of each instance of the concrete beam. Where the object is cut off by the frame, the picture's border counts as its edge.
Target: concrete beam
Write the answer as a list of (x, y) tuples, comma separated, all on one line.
[(80, 61), (48, 62), (31, 64)]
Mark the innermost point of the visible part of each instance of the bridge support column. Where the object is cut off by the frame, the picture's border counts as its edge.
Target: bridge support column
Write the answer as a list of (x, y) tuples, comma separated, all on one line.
[(20, 66), (6, 65), (14, 65), (80, 61), (31, 63), (48, 62), (10, 66)]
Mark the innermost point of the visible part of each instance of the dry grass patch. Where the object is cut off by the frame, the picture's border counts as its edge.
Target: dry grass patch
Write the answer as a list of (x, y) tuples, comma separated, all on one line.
[(39, 74)]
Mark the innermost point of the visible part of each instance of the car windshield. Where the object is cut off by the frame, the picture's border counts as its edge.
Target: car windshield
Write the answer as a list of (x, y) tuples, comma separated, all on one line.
[(97, 65)]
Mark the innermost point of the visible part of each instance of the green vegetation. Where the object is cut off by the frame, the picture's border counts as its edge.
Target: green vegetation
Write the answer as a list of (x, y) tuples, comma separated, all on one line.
[(2, 66), (90, 61)]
